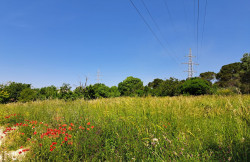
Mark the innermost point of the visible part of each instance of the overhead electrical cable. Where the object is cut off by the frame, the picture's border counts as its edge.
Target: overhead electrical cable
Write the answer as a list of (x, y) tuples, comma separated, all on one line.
[(204, 21), (152, 31), (169, 14), (156, 24), (197, 28)]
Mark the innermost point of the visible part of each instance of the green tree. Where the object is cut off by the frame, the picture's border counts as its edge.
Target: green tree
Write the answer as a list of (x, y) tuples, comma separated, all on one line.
[(101, 90), (14, 90), (195, 86), (131, 87), (114, 92), (229, 75), (155, 83), (66, 93), (209, 76), (4, 96), (245, 73), (79, 92), (27, 95), (49, 92), (169, 87)]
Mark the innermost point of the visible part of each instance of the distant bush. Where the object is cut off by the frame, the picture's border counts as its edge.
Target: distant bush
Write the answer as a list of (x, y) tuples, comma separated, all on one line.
[(226, 91), (131, 87), (27, 95), (195, 86)]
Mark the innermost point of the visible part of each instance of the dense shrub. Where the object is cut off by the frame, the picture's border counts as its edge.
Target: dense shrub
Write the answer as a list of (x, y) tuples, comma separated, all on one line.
[(131, 87), (195, 86)]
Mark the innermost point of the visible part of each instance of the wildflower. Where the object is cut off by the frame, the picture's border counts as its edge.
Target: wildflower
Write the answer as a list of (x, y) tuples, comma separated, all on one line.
[(87, 128), (21, 147), (51, 149), (40, 144), (69, 128), (88, 123), (92, 127), (28, 139), (72, 124), (35, 133), (65, 138), (64, 125), (54, 143), (20, 152)]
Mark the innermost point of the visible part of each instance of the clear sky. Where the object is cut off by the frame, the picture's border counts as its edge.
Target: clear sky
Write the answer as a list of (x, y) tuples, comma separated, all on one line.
[(50, 42)]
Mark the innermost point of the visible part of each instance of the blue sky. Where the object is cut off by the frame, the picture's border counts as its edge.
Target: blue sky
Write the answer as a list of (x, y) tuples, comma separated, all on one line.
[(50, 42)]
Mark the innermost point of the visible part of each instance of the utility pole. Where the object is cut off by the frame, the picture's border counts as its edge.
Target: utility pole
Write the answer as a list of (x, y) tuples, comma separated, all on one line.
[(98, 76), (190, 64)]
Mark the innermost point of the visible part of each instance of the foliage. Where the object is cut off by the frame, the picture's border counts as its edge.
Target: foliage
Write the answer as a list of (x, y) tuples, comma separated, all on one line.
[(225, 91), (131, 87), (155, 84), (66, 93), (114, 92), (48, 93), (169, 87), (101, 90), (14, 89), (195, 86), (4, 96), (27, 95), (229, 75), (245, 73), (209, 76)]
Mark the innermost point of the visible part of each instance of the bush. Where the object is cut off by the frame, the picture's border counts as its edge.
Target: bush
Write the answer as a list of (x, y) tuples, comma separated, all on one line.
[(226, 91), (131, 87), (195, 86), (27, 95)]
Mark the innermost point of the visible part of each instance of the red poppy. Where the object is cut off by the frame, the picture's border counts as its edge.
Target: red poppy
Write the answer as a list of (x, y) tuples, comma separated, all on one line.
[(92, 127), (88, 123)]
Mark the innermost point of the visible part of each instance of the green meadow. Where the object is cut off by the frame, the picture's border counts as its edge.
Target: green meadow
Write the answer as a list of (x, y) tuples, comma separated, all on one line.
[(183, 128)]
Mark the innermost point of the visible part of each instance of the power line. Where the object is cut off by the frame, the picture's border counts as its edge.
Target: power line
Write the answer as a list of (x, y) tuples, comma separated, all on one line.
[(169, 13), (197, 36), (154, 21), (152, 31), (204, 23)]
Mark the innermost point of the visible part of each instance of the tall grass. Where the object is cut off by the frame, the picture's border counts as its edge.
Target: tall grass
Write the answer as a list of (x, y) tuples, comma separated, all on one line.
[(133, 129)]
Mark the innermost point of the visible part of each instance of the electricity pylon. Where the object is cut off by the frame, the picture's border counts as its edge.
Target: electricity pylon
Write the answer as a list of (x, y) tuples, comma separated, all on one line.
[(190, 64)]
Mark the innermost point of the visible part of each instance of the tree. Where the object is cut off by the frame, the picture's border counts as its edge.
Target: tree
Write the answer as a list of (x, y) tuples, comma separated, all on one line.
[(229, 75), (66, 93), (114, 92), (101, 90), (4, 96), (27, 95), (131, 87), (169, 87), (156, 83), (245, 73), (209, 76), (49, 92), (195, 86), (14, 90)]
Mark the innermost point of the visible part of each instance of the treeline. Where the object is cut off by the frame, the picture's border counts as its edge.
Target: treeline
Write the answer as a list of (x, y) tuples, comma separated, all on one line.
[(232, 78)]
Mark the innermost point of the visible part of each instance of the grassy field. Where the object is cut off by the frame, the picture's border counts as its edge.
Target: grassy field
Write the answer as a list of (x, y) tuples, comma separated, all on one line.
[(202, 128)]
